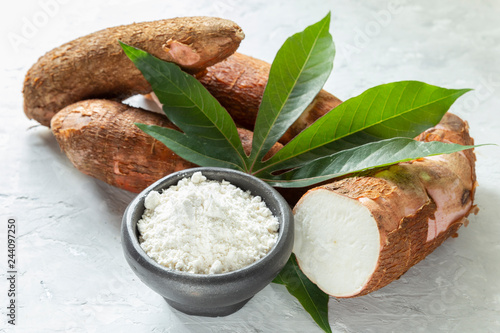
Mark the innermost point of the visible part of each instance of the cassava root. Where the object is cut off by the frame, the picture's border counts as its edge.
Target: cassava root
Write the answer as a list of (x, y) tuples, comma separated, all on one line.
[(356, 235), (238, 83), (101, 140), (94, 66)]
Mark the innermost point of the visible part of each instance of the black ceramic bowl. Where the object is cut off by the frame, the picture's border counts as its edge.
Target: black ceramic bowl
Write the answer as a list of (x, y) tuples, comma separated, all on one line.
[(214, 294)]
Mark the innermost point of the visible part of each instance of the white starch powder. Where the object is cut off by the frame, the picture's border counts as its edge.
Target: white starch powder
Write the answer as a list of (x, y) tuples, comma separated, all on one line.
[(206, 227)]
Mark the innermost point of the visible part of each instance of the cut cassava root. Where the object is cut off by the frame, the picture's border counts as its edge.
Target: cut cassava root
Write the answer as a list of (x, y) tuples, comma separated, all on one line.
[(101, 139), (94, 66), (370, 230)]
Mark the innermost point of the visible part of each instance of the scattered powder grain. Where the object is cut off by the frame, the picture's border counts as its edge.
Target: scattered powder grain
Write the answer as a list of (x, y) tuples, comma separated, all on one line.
[(206, 227)]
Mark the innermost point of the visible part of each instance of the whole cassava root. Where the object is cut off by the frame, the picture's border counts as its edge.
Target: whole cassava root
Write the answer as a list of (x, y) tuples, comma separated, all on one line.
[(358, 234), (101, 140), (94, 66), (238, 83)]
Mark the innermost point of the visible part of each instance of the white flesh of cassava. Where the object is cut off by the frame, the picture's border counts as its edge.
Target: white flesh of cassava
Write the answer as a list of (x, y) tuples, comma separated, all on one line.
[(337, 242)]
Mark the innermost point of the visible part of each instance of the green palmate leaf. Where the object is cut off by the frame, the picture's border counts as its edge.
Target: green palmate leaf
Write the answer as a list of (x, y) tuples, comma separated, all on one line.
[(299, 71), (193, 109), (189, 148), (314, 301), (399, 109), (371, 130), (368, 156)]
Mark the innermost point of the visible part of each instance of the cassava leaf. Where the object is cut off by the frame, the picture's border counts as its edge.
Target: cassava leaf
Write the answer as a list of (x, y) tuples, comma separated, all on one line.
[(398, 109), (313, 299), (368, 131), (190, 149), (368, 156), (298, 72), (192, 108)]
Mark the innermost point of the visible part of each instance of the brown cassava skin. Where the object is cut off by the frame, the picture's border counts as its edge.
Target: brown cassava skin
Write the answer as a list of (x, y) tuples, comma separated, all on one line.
[(401, 200), (238, 83), (100, 139), (95, 66)]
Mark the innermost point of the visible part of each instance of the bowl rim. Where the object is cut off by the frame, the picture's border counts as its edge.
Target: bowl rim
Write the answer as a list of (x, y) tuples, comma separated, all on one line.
[(285, 219)]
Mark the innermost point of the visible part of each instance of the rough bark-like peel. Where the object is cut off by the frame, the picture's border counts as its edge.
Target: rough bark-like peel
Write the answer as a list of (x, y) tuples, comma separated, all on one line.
[(94, 66), (239, 82), (100, 139)]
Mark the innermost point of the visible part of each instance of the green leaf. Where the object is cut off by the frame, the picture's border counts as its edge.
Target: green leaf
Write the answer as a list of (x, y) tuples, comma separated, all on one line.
[(398, 109), (368, 156), (314, 301), (368, 131), (190, 149), (192, 108), (298, 72)]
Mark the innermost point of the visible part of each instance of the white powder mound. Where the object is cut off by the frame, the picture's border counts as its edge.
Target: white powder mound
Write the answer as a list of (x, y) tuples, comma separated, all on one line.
[(206, 227)]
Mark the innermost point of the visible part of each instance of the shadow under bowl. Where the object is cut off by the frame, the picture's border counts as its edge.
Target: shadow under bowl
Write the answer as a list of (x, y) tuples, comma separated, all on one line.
[(209, 294)]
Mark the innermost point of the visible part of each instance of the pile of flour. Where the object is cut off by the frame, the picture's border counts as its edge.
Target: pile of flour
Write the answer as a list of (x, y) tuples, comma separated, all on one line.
[(206, 227)]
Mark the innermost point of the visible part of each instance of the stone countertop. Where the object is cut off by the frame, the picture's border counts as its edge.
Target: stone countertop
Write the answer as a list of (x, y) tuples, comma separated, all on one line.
[(72, 276)]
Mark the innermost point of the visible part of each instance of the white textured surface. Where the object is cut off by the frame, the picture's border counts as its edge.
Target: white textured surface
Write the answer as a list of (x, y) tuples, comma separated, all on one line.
[(337, 245), (73, 277)]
